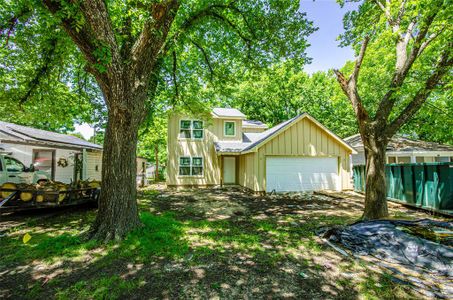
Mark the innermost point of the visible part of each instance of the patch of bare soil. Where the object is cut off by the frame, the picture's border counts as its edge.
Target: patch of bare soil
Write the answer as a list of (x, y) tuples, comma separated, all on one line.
[(239, 245)]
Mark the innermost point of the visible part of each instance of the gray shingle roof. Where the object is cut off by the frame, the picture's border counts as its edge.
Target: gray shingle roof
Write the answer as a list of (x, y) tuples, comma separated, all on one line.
[(227, 112), (253, 124), (10, 132), (399, 143)]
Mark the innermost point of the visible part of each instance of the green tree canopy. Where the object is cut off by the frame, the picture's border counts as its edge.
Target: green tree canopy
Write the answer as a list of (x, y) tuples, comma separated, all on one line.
[(404, 60), (135, 50)]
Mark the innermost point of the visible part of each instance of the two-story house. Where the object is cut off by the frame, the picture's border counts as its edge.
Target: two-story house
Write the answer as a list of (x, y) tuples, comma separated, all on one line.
[(299, 154)]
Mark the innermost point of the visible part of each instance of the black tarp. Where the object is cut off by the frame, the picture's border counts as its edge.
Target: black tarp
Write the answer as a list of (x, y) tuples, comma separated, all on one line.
[(423, 246)]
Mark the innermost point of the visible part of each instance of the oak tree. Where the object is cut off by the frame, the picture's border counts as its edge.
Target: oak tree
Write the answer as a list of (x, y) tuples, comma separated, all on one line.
[(131, 46), (404, 56)]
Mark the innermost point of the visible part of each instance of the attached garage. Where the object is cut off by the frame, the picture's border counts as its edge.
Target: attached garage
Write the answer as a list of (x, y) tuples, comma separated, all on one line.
[(294, 174), (297, 155)]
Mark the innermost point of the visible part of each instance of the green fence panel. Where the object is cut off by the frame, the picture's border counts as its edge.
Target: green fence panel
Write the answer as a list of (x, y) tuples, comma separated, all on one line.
[(446, 187), (389, 181), (363, 181), (426, 185), (419, 176), (356, 178), (398, 191), (408, 184), (431, 200)]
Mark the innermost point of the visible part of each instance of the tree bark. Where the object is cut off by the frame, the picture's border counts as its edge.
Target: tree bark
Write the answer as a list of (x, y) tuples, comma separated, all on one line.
[(118, 209), (375, 186)]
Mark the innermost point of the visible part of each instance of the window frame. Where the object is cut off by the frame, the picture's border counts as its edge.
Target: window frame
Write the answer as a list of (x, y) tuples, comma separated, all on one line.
[(191, 129), (16, 161), (191, 166), (224, 129), (53, 167)]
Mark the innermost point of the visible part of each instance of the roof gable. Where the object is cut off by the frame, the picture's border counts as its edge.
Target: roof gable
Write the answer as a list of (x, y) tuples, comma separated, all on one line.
[(275, 131)]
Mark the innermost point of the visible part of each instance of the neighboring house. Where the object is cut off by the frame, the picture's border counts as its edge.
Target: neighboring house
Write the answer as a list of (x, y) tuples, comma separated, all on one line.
[(404, 150), (297, 155), (54, 153), (142, 179), (63, 157)]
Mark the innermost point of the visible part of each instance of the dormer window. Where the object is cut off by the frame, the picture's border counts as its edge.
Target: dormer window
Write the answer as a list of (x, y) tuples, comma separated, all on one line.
[(191, 129), (230, 128)]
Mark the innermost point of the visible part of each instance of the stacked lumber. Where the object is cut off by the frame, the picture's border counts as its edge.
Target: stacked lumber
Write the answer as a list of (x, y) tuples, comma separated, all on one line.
[(46, 191)]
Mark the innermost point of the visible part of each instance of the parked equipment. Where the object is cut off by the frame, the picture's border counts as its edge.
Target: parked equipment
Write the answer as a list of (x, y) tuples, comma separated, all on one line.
[(15, 197), (15, 172)]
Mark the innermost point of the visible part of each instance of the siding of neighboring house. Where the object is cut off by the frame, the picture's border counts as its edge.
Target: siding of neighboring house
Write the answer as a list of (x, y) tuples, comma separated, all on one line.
[(304, 138), (392, 157), (94, 165), (358, 159), (24, 153)]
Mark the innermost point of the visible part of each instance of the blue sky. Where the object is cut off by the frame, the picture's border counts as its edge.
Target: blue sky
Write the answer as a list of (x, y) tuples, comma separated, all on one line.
[(327, 15)]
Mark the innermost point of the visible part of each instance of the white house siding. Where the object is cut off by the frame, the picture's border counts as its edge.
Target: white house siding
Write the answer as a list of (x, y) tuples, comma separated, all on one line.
[(358, 159), (24, 153), (94, 165)]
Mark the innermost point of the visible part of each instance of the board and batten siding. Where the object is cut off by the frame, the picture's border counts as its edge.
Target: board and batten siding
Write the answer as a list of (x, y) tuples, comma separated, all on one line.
[(178, 147), (304, 139)]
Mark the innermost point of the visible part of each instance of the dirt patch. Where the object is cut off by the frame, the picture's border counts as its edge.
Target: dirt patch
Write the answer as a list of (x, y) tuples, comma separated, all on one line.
[(199, 243)]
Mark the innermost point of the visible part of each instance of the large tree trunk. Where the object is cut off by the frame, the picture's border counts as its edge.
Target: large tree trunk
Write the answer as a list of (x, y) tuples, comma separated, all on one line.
[(118, 210), (375, 187)]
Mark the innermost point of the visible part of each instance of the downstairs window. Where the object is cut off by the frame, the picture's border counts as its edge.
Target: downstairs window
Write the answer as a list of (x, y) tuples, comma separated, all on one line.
[(190, 166)]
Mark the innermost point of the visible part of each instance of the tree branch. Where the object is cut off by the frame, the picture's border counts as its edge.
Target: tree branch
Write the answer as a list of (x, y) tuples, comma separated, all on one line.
[(150, 42), (442, 68), (205, 55), (41, 71), (82, 36), (386, 10), (350, 90), (9, 26), (355, 74), (175, 82), (404, 62), (210, 11)]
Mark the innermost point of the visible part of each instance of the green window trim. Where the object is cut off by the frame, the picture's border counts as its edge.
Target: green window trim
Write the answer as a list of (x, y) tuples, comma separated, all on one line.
[(191, 129), (191, 166), (229, 128)]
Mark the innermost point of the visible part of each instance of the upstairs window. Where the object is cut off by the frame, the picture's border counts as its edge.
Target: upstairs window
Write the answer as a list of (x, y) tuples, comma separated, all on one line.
[(190, 166), (191, 129), (230, 128)]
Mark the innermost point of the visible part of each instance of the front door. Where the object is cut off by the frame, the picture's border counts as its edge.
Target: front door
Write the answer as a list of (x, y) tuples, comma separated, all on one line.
[(229, 170)]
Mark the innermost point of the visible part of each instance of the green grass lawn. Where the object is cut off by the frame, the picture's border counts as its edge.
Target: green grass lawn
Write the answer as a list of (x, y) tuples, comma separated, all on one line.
[(185, 251)]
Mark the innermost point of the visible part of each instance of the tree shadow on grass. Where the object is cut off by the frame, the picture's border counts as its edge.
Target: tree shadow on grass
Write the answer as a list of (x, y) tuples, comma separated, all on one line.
[(164, 258), (176, 256), (52, 255)]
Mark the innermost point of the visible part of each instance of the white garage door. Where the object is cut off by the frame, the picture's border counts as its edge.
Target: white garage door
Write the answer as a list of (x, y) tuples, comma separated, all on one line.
[(293, 174)]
